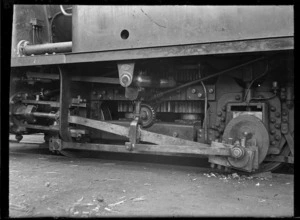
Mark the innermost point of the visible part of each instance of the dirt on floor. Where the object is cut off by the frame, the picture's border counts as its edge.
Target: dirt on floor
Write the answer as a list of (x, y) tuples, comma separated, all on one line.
[(41, 184)]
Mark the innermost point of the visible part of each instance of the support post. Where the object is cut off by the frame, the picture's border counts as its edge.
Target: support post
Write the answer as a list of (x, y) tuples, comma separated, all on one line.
[(64, 102)]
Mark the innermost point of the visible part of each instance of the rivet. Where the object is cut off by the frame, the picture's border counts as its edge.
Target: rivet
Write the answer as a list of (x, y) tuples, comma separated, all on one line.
[(273, 120), (237, 97), (277, 114), (224, 108), (273, 131), (277, 126), (277, 137), (273, 109), (219, 113), (284, 120)]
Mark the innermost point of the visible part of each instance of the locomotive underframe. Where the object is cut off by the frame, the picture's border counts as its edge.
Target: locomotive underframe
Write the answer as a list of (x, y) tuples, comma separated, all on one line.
[(155, 113)]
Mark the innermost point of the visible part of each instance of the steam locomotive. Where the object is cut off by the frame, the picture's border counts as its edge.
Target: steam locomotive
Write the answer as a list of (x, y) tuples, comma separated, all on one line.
[(201, 81)]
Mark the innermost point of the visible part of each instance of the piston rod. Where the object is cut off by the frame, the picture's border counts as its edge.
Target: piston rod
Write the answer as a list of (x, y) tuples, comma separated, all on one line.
[(61, 47)]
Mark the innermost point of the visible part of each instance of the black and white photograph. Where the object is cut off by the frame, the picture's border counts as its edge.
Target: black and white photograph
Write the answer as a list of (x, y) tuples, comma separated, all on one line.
[(151, 111)]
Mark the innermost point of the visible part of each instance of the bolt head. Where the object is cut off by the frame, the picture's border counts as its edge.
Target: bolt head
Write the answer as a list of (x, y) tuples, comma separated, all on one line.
[(211, 90), (284, 120), (199, 95), (273, 120), (193, 91), (237, 152), (237, 97)]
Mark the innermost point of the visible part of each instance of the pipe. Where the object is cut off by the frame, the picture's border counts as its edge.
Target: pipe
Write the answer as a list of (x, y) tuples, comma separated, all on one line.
[(63, 11), (44, 115), (205, 113), (147, 81), (51, 22), (61, 47), (204, 78), (205, 107)]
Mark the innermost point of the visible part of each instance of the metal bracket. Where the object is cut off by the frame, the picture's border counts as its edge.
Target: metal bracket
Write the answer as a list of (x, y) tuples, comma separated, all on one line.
[(247, 162), (125, 73), (134, 132)]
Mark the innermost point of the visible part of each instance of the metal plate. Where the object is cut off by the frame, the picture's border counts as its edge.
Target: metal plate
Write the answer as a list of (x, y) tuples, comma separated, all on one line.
[(256, 130), (99, 28)]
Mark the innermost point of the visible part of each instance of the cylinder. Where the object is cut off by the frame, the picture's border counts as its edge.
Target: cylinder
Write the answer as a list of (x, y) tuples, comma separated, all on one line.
[(62, 47)]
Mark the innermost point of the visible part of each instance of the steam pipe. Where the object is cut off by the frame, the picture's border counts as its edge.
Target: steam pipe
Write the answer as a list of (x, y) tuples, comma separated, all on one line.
[(61, 47)]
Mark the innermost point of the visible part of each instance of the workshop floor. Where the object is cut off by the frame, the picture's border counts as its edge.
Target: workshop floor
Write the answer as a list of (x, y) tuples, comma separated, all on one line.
[(41, 184)]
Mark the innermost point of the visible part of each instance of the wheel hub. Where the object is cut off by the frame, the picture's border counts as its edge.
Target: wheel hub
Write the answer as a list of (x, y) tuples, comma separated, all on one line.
[(248, 130)]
